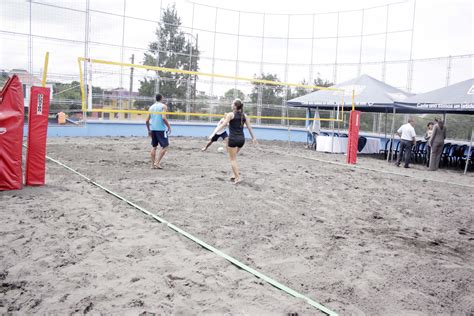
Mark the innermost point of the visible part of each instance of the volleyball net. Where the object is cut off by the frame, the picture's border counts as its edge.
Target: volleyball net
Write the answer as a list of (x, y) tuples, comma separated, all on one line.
[(125, 91)]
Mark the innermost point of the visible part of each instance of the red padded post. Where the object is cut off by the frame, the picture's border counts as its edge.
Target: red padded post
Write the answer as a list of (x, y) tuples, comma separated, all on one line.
[(353, 142), (11, 134), (37, 134)]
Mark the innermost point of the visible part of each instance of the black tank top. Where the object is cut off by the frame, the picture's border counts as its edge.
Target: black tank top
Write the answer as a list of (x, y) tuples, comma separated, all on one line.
[(236, 125)]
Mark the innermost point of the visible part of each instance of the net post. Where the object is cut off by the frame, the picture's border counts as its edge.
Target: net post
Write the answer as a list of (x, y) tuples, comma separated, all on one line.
[(45, 69)]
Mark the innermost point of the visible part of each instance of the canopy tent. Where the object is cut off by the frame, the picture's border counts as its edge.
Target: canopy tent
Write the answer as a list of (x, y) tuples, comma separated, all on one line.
[(457, 98), (371, 95)]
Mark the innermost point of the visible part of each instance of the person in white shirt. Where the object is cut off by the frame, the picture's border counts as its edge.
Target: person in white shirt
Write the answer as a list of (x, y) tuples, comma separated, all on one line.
[(314, 129), (407, 136), (220, 134)]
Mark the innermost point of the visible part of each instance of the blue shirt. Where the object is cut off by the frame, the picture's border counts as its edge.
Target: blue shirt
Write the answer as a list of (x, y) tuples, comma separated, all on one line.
[(157, 123)]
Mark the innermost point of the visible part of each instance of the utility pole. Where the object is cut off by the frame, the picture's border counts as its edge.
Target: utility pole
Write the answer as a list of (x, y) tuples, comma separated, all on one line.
[(131, 84)]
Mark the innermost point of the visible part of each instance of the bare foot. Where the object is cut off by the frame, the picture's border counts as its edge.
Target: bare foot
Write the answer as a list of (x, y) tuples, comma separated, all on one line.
[(203, 149), (155, 166), (237, 180)]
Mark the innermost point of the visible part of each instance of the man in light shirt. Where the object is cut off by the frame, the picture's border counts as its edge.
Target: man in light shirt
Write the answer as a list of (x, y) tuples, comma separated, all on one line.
[(158, 131), (407, 140)]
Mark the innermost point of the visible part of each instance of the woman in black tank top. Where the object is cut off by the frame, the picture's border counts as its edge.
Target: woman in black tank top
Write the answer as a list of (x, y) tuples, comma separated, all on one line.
[(236, 121)]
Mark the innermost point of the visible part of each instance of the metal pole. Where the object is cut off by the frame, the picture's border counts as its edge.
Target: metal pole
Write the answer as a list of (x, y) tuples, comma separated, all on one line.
[(211, 92), (389, 154), (285, 90), (448, 70), (468, 157), (332, 129), (410, 64), (360, 49), (384, 65), (188, 84), (334, 75), (237, 59), (131, 84), (121, 58), (157, 82), (30, 53), (260, 89), (86, 55), (311, 75)]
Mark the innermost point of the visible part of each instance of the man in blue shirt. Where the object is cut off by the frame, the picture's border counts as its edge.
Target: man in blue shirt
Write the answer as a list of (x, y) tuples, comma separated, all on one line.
[(159, 131)]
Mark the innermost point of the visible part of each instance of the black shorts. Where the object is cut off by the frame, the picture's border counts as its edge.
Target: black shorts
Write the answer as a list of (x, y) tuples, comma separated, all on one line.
[(236, 142), (216, 137), (159, 137)]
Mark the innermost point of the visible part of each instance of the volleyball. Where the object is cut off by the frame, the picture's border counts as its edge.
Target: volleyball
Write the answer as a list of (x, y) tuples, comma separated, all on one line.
[(220, 149)]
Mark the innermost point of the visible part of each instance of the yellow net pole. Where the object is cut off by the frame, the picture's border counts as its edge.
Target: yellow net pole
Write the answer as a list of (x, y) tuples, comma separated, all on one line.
[(45, 69), (81, 81)]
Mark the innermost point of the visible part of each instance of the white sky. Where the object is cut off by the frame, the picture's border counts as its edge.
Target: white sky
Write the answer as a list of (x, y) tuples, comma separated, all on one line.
[(442, 28)]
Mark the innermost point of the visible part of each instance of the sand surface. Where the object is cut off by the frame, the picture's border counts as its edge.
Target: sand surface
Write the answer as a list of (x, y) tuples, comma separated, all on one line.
[(355, 240)]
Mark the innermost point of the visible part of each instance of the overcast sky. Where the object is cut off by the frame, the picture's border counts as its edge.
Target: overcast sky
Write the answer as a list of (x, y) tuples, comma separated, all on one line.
[(442, 28)]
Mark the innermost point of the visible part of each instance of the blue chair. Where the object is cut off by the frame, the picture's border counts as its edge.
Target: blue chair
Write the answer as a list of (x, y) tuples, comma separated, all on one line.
[(397, 149), (361, 143), (444, 154), (385, 149), (470, 159), (422, 152), (459, 154)]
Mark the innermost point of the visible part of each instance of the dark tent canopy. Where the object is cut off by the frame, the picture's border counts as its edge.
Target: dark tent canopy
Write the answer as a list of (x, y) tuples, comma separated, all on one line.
[(457, 98), (371, 95)]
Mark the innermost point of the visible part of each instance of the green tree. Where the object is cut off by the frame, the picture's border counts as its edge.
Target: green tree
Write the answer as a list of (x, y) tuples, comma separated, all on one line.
[(67, 96), (173, 51), (299, 91), (234, 93), (271, 94)]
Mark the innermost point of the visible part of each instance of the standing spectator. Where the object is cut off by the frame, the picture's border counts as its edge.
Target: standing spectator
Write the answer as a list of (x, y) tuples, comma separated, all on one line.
[(437, 143), (429, 132), (408, 138), (314, 129)]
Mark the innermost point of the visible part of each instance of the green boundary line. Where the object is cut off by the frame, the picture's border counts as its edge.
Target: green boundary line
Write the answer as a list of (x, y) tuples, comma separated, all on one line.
[(205, 245)]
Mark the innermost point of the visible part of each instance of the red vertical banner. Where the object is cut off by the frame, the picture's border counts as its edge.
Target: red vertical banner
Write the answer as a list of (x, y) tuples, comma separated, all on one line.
[(37, 133), (353, 142), (11, 134)]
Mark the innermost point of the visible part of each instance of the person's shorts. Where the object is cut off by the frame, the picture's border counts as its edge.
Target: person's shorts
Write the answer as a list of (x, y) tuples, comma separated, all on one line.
[(216, 137), (236, 142), (159, 137)]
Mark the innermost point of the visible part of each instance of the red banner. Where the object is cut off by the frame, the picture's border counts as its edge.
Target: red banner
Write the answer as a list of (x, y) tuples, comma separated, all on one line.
[(11, 134), (37, 133), (354, 125)]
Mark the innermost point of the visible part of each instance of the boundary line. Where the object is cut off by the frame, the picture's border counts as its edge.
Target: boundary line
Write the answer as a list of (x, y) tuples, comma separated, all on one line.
[(204, 244), (376, 170)]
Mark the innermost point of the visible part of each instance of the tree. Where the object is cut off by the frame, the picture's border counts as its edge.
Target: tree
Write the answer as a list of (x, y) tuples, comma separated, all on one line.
[(234, 93), (271, 94), (173, 51), (300, 91), (67, 96)]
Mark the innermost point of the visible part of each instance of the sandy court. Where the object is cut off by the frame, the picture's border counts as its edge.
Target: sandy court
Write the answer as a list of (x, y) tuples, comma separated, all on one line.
[(355, 240)]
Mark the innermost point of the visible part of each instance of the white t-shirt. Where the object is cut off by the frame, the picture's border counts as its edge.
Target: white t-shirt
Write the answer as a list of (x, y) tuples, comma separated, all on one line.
[(315, 126), (407, 132)]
